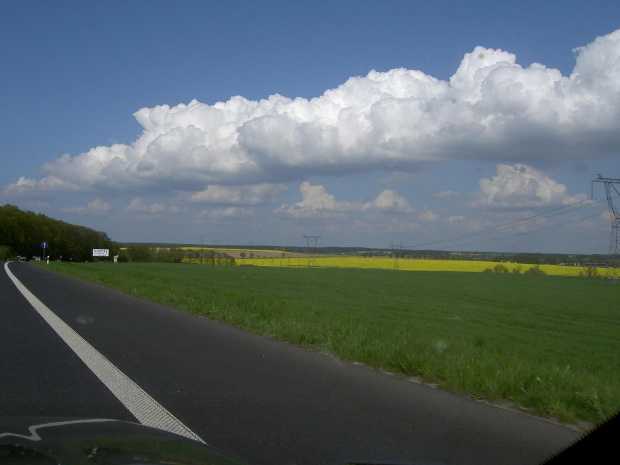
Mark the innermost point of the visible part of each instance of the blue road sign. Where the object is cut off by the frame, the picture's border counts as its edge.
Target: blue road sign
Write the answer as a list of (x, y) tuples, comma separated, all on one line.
[(44, 245)]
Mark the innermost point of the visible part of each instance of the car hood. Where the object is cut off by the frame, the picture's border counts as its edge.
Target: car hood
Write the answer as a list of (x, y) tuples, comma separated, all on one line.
[(88, 441)]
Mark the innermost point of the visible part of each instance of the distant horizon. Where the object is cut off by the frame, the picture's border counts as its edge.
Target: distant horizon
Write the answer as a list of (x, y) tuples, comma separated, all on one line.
[(319, 247)]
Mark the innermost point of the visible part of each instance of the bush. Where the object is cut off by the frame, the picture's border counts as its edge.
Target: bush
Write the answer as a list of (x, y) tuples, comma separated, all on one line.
[(136, 253), (167, 255), (6, 253), (516, 269), (535, 270), (589, 272), (499, 268)]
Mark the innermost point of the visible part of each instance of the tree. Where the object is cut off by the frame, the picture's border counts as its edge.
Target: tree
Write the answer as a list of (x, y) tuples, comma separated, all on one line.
[(535, 270), (167, 255), (499, 268), (137, 253), (589, 272)]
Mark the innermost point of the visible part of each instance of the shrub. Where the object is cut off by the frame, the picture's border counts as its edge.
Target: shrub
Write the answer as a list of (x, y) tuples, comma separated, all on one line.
[(499, 268), (535, 270), (589, 272), (136, 253), (6, 253)]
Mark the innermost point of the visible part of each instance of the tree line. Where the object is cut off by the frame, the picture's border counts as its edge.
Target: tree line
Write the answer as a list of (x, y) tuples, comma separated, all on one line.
[(146, 253), (499, 268), (22, 232)]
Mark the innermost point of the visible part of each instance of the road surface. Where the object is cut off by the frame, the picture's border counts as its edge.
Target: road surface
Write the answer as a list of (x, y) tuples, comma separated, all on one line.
[(264, 401)]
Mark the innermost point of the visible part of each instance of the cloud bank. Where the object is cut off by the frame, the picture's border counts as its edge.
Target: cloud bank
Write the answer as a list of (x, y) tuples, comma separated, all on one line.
[(490, 109)]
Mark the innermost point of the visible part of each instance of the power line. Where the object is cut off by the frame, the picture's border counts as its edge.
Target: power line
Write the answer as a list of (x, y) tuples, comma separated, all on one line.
[(525, 232), (510, 224), (513, 224)]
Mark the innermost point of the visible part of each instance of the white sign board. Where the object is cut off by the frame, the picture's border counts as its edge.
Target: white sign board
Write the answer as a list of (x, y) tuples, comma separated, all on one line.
[(101, 252)]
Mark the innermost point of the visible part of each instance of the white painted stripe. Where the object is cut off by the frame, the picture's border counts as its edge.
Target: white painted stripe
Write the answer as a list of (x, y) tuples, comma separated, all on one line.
[(146, 409)]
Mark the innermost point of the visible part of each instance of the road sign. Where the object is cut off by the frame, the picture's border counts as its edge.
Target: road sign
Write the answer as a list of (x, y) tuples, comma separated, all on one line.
[(44, 245)]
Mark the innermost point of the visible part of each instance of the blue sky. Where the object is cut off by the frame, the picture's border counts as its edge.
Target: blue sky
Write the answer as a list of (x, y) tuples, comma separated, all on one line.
[(366, 122)]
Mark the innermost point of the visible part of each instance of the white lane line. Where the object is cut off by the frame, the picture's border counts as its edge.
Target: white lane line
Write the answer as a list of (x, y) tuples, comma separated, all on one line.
[(146, 409)]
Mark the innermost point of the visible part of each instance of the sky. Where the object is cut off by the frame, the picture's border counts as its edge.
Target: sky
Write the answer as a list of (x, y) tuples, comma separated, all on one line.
[(443, 125)]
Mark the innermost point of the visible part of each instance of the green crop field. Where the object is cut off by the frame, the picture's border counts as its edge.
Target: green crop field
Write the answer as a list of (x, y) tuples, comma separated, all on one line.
[(548, 344)]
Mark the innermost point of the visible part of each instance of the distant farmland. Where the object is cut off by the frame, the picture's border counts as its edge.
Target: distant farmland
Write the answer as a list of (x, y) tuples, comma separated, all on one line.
[(273, 258)]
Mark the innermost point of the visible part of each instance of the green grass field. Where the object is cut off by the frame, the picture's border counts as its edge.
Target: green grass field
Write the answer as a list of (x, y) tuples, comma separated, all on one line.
[(548, 344)]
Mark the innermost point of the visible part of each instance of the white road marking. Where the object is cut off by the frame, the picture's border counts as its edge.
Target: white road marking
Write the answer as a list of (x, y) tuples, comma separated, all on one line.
[(141, 405)]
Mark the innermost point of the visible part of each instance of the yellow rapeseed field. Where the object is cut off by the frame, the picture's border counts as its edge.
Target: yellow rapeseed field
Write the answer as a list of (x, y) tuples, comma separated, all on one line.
[(404, 264), (276, 258)]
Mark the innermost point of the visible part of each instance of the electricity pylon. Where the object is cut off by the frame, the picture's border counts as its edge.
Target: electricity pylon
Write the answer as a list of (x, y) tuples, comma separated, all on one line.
[(612, 270), (311, 241), (396, 251)]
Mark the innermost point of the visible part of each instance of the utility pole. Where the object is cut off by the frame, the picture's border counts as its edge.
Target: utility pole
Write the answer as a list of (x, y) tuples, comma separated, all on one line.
[(610, 188)]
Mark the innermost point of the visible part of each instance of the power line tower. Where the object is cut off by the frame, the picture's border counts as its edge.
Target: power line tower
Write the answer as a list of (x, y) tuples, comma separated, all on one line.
[(396, 251), (610, 188), (311, 241)]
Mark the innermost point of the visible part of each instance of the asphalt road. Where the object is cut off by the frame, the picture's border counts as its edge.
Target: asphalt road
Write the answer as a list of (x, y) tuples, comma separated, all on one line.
[(264, 401)]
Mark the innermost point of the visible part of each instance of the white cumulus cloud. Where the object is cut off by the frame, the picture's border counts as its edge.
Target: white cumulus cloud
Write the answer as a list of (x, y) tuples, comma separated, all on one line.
[(454, 219), (99, 207), (317, 202), (137, 205), (257, 194), (96, 207), (388, 200), (520, 186), (429, 216), (401, 120), (228, 212), (448, 194)]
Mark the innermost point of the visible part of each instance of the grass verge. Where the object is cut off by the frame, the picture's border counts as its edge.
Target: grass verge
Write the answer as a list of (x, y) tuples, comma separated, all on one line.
[(548, 344)]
